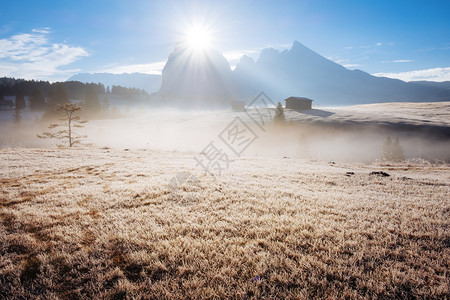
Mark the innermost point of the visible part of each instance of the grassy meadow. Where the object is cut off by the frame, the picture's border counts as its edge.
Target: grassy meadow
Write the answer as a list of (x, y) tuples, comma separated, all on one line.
[(101, 223)]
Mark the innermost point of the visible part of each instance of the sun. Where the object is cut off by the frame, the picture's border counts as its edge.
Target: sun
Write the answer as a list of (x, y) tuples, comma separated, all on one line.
[(198, 38)]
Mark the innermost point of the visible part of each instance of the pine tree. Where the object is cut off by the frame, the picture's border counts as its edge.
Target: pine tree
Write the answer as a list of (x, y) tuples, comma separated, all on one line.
[(17, 115), (58, 96), (397, 151), (20, 101), (386, 151), (69, 122), (279, 114), (91, 100), (105, 106), (37, 100), (19, 105), (392, 151)]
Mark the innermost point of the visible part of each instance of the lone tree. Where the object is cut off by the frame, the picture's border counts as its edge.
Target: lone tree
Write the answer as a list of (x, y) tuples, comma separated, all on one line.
[(69, 122), (279, 114)]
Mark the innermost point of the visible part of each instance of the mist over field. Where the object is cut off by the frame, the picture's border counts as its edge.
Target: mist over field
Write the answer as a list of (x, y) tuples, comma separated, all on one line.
[(348, 134)]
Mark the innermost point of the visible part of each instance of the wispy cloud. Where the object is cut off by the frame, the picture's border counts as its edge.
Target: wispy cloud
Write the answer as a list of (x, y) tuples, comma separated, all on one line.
[(445, 46), (337, 59), (5, 29), (44, 30), (379, 44), (344, 62), (352, 66), (150, 68), (402, 61), (397, 61), (434, 74), (427, 49), (33, 56)]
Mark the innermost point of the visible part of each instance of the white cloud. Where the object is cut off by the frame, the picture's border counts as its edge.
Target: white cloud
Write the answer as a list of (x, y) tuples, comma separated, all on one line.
[(397, 61), (427, 49), (344, 62), (352, 65), (44, 30), (32, 56), (379, 44), (150, 68), (402, 61), (434, 74)]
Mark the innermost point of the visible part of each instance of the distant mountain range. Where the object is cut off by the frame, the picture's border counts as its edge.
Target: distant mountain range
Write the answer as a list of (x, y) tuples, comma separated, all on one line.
[(302, 72), (204, 78), (148, 82), (443, 85)]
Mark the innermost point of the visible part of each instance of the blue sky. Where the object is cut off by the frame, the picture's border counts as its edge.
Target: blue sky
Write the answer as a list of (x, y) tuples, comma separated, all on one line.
[(52, 40)]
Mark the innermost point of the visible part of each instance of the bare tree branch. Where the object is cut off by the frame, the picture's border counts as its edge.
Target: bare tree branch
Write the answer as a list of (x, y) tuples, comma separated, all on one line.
[(70, 121)]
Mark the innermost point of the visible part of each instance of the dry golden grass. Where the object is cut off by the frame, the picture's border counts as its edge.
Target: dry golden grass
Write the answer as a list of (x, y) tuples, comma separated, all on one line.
[(102, 223)]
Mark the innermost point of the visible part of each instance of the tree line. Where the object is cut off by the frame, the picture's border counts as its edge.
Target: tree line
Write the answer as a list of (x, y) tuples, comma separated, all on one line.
[(43, 95)]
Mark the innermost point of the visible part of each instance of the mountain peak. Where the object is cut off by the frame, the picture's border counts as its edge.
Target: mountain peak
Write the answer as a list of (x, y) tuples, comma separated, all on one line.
[(298, 47), (245, 59), (297, 44), (268, 54), (192, 76)]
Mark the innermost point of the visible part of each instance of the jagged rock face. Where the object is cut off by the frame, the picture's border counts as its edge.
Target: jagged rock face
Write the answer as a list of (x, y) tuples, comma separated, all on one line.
[(194, 76)]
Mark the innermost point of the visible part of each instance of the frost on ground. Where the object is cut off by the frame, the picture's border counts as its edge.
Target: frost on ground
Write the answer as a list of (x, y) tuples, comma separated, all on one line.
[(103, 223)]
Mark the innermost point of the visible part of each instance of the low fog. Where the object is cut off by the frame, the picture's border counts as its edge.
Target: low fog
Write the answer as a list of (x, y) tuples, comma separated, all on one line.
[(192, 131)]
